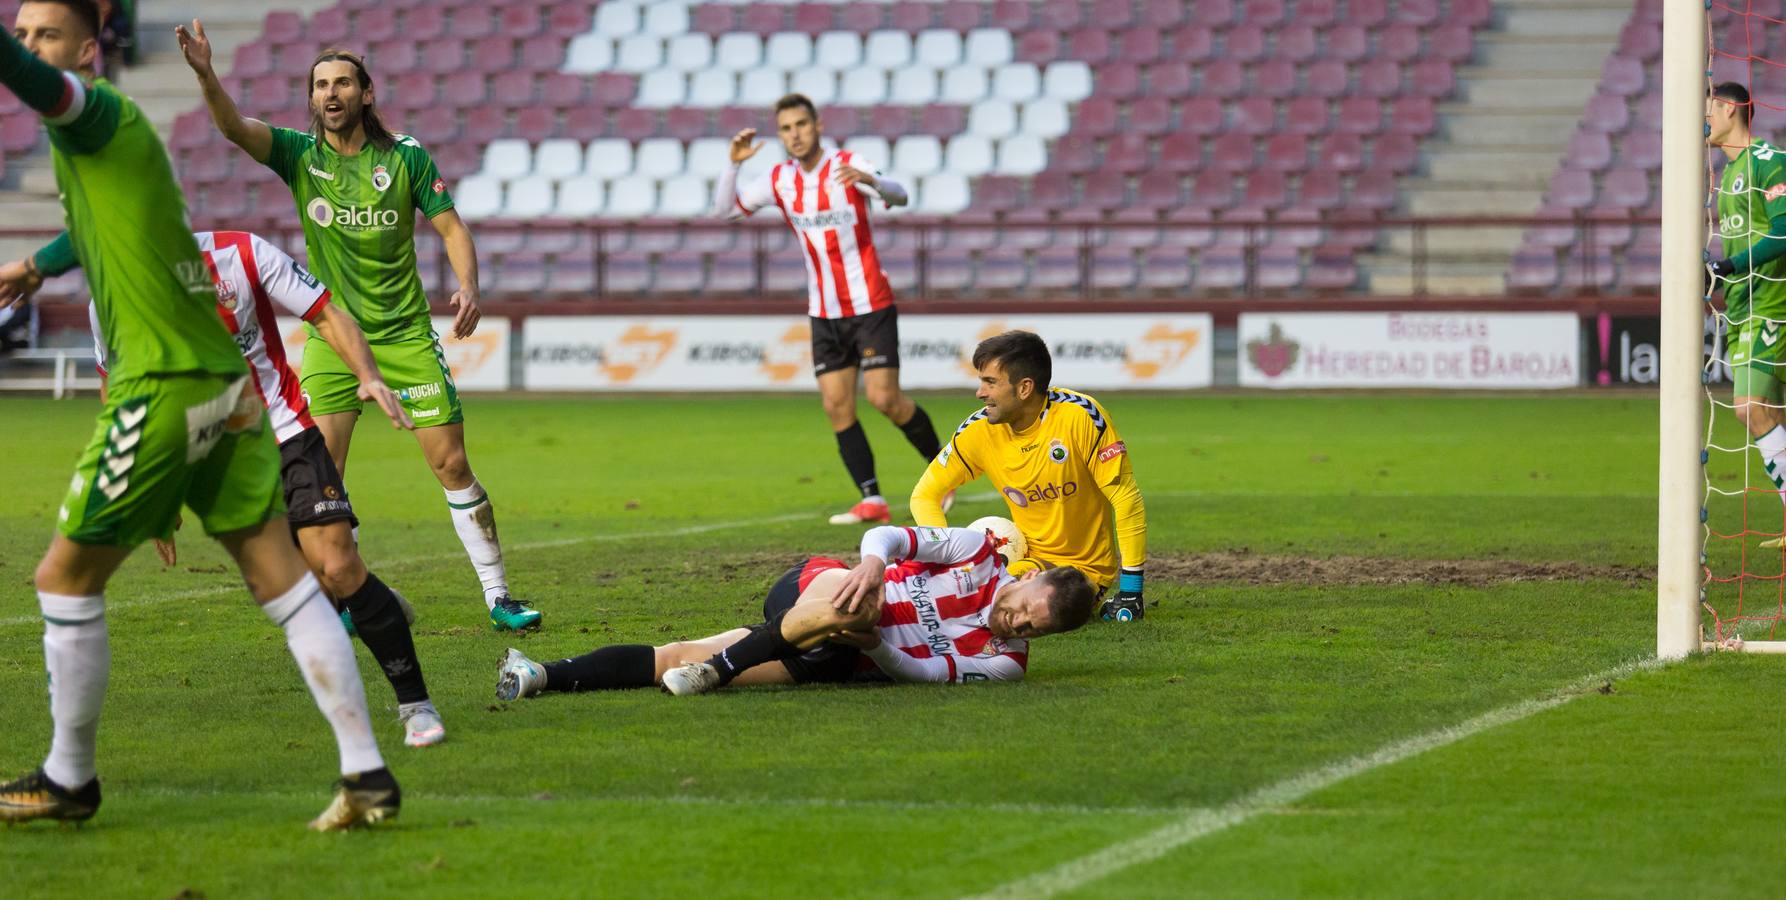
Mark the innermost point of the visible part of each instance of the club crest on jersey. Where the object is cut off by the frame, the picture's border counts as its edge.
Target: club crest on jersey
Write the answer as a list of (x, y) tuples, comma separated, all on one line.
[(226, 295), (1057, 451), (381, 179)]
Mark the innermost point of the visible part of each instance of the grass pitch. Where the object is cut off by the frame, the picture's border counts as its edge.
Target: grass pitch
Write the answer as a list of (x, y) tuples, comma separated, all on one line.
[(652, 519)]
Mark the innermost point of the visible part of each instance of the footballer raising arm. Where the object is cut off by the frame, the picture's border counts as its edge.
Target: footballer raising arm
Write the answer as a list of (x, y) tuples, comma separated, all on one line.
[(252, 135)]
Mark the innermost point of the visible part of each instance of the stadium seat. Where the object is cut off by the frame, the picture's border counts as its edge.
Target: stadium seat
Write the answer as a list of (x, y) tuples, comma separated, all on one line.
[(616, 18), (914, 87), (1016, 82), (992, 118), (658, 158), (837, 51), (917, 154), (988, 47), (963, 85), (507, 159), (590, 53), (1067, 81), (609, 158), (969, 155), (688, 52), (478, 197), (937, 48), (736, 51), (819, 85), (685, 196), (581, 197), (558, 159), (862, 87), (529, 198)]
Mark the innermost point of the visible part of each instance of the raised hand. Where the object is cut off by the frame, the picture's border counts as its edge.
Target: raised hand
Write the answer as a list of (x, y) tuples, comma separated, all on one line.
[(745, 145), (195, 46)]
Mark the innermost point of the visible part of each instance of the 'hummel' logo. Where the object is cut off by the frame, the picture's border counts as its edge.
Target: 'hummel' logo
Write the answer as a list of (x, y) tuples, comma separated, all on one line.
[(1770, 335), (326, 176)]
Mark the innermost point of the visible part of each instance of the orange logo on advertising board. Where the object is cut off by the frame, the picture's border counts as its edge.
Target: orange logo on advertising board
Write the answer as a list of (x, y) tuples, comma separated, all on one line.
[(638, 351), (466, 356), (792, 355), (994, 328), (1159, 349)]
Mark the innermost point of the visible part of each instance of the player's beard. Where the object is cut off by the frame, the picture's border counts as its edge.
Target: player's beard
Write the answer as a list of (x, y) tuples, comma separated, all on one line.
[(352, 116)]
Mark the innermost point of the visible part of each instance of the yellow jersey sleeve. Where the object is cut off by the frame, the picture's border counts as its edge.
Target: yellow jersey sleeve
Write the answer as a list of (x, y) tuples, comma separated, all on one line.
[(949, 470)]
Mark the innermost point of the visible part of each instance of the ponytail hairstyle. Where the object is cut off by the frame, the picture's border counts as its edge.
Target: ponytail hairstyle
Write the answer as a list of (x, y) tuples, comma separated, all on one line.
[(376, 134)]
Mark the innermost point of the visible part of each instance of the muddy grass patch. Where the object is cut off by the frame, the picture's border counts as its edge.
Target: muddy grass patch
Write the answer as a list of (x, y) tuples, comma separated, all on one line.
[(1243, 567)]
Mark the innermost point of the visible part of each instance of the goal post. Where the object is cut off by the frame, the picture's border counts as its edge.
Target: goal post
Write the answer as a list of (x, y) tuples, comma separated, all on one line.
[(1680, 491)]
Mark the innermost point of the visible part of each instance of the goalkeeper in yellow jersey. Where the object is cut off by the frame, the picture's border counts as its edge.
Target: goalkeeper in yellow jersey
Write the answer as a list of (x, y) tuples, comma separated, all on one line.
[(1063, 469)]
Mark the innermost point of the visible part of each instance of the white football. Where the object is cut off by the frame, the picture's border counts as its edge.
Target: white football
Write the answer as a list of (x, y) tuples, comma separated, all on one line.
[(1012, 546)]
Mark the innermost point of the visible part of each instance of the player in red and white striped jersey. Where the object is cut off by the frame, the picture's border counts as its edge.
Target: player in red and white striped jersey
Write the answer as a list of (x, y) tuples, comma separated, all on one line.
[(925, 604), (252, 277), (824, 196)]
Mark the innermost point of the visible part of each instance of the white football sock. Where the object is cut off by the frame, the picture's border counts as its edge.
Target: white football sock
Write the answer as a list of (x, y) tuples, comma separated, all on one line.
[(475, 520), (78, 656), (325, 655), (1772, 447)]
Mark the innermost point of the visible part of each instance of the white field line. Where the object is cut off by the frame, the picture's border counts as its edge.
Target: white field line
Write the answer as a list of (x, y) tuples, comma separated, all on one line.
[(385, 565), (1200, 823), (1040, 809)]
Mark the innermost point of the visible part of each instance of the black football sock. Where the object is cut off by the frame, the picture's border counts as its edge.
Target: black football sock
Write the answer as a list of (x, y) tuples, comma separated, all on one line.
[(921, 433), (379, 619), (763, 644), (605, 669), (852, 442)]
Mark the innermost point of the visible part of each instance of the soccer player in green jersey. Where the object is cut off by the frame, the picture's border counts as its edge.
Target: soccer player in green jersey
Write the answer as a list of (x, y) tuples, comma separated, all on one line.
[(1752, 224), (181, 426), (358, 187)]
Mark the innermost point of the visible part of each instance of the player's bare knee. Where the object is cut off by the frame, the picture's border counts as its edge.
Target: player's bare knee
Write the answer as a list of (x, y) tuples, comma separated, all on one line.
[(453, 469), (341, 572), (1756, 414), (888, 402), (674, 654)]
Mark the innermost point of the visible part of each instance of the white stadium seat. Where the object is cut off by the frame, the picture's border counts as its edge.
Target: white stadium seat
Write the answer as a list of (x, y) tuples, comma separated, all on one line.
[(580, 198), (887, 49), (919, 154), (969, 155), (863, 87), (658, 158), (689, 52), (478, 197), (1046, 118), (761, 87), (1069, 82), (937, 48), (712, 87), (507, 159), (632, 197), (685, 196), (708, 157), (872, 148), (819, 85), (661, 88), (558, 158), (913, 87), (639, 53), (945, 193), (992, 118), (1021, 154), (1016, 82), (738, 51), (662, 19), (528, 198), (963, 85), (616, 18), (987, 47), (838, 50), (788, 51), (589, 54), (609, 158)]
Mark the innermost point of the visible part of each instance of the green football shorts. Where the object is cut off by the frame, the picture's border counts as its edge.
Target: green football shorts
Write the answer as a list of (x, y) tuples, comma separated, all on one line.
[(164, 441), (1758, 359), (416, 369)]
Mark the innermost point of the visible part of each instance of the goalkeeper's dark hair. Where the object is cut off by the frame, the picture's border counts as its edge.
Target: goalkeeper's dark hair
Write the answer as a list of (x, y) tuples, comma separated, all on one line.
[(1738, 95), (376, 134), (1021, 354), (87, 11), (1071, 600)]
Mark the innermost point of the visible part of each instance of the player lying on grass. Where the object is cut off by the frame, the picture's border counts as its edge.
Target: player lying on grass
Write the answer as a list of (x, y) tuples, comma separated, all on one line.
[(925, 604), (1056, 457), (180, 426), (251, 275)]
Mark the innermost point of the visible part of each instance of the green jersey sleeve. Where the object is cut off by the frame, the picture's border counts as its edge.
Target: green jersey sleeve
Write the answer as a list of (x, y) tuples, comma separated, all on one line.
[(1770, 183), (289, 147), (425, 184), (96, 124)]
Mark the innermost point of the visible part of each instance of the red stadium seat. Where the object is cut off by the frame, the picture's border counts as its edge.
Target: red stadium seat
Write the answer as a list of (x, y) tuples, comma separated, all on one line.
[(1607, 113), (1162, 14), (252, 59), (940, 120), (521, 21), (1263, 13), (1413, 115), (1432, 78), (966, 15), (464, 90), (1127, 153), (733, 119), (535, 123), (1090, 45), (1452, 42), (1113, 269), (713, 19), (1266, 189), (1060, 15), (1113, 13), (634, 124), (613, 89), (763, 19), (410, 90), (1038, 47), (1395, 152), (1286, 152), (424, 24), (1245, 43), (1590, 150), (1421, 13), (1199, 116), (1317, 13), (1331, 269), (1212, 13), (861, 17), (1192, 44), (472, 22), (1169, 79), (890, 121), (585, 123), (561, 91), (1297, 42), (1150, 115), (1183, 151), (1374, 190), (486, 122), (687, 124), (1223, 78), (1156, 190), (1274, 78), (1278, 268), (914, 15), (433, 125), (540, 54), (1220, 269), (1623, 76), (1256, 116), (1325, 78), (1625, 189), (1347, 42), (1359, 115), (1118, 81), (1367, 13), (1097, 116), (1342, 152), (1319, 189), (996, 194), (1051, 191), (1400, 43), (1305, 115), (495, 53), (512, 88), (1233, 153), (282, 27), (1638, 150), (814, 18), (1472, 13), (1075, 154)]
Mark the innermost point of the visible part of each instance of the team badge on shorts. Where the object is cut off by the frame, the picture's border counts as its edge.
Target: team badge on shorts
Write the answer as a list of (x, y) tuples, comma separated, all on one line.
[(1057, 451)]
